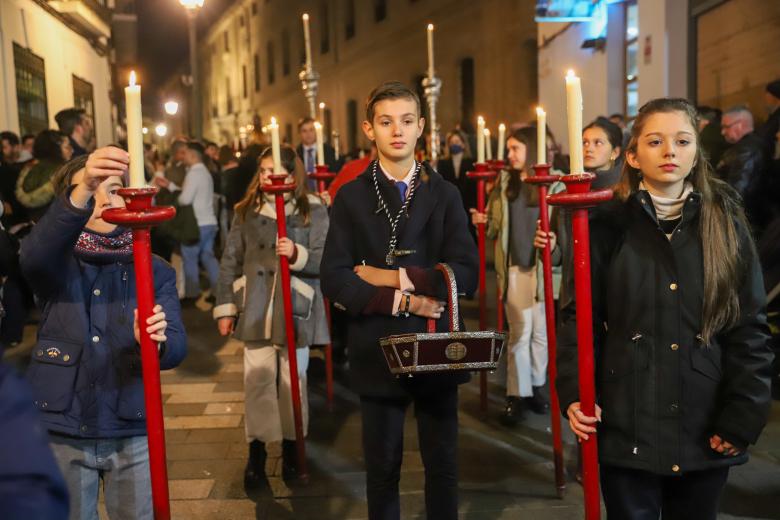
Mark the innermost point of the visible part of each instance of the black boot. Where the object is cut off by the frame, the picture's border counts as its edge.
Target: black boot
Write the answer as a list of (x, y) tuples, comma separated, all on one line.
[(538, 403), (289, 460), (254, 474), (513, 412)]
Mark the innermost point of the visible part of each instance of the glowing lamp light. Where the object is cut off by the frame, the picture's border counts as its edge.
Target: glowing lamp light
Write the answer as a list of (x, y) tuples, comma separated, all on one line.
[(171, 108), (144, 130), (192, 4), (161, 130)]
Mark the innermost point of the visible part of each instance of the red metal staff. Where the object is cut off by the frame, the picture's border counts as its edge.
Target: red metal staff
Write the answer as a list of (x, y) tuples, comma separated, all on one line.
[(579, 198), (140, 215), (323, 176), (498, 165), (279, 187), (543, 179), (482, 173)]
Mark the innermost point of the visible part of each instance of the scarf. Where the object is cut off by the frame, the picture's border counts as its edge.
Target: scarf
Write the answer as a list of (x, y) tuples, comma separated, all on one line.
[(669, 208), (105, 248)]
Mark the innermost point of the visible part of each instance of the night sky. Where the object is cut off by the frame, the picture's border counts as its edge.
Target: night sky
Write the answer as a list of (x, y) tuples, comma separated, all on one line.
[(162, 35)]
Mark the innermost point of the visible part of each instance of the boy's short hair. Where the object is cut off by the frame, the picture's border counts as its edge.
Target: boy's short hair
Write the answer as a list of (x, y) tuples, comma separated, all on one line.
[(196, 147), (304, 121), (390, 90)]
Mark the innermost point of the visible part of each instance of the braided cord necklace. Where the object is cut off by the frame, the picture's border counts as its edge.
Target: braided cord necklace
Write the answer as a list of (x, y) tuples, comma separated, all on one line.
[(391, 253)]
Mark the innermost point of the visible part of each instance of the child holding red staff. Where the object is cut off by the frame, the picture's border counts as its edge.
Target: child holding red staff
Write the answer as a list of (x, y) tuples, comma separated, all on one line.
[(680, 335)]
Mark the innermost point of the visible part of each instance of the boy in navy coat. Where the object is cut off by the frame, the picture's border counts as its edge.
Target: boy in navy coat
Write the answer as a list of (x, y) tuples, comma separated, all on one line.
[(389, 228)]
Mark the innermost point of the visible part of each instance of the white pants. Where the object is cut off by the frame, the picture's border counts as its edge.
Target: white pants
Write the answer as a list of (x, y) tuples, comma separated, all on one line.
[(268, 415), (527, 343)]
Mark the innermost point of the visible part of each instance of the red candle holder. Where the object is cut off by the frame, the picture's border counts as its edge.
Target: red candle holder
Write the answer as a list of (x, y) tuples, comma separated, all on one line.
[(278, 187), (482, 173), (542, 179), (140, 215), (496, 165), (578, 197), (323, 178)]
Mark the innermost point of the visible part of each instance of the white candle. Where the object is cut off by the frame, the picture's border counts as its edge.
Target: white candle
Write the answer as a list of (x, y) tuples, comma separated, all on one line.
[(275, 151), (322, 111), (430, 50), (320, 143), (541, 136), (501, 141), (480, 139), (574, 112), (307, 40), (488, 146), (336, 144), (135, 136)]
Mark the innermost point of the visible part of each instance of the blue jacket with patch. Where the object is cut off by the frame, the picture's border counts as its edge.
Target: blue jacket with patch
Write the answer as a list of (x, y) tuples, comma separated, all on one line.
[(86, 365)]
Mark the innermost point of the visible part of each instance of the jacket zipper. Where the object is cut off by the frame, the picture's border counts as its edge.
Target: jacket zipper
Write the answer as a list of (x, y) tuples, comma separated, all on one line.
[(635, 338), (124, 294)]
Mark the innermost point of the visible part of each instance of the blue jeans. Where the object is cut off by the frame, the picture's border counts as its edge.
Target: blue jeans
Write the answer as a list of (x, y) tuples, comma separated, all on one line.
[(201, 253), (121, 463)]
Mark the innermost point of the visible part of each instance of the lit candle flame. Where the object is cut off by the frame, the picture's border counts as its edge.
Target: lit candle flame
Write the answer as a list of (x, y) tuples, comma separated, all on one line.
[(430, 26), (132, 78), (502, 126), (273, 121), (570, 73), (539, 111), (480, 119), (317, 125), (306, 17), (322, 104)]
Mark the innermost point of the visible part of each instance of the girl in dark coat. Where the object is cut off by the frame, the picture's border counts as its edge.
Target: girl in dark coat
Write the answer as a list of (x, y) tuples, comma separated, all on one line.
[(680, 334)]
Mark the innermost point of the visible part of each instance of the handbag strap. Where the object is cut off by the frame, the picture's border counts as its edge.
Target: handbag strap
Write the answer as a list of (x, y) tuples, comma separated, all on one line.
[(452, 299)]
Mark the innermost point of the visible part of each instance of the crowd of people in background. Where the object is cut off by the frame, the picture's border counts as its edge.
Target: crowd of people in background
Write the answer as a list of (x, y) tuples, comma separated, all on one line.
[(224, 234)]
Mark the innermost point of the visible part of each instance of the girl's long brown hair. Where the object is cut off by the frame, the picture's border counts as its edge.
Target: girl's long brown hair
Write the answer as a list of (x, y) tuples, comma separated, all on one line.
[(515, 186), (293, 164), (720, 213)]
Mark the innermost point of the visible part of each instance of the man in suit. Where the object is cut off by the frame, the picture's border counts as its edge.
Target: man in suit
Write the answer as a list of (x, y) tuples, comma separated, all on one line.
[(378, 266), (307, 150)]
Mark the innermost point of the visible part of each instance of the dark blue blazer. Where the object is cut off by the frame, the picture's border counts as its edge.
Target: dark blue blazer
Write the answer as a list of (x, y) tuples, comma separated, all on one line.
[(86, 366), (437, 231)]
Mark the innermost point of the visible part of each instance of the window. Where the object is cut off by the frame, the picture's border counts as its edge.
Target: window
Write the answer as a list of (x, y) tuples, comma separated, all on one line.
[(257, 72), (30, 91), (229, 96), (324, 28), (352, 124), (244, 88), (349, 19), (467, 90), (83, 96), (225, 39), (270, 61), (380, 10), (285, 52), (631, 60)]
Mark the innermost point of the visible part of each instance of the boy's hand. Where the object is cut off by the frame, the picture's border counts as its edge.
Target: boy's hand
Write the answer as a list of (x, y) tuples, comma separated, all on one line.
[(378, 277), (104, 162), (541, 238), (156, 325), (426, 307), (477, 217), (325, 196), (723, 447), (285, 247), (226, 325)]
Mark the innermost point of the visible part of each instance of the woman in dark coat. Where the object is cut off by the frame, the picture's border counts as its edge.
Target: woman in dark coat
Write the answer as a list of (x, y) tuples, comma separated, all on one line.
[(680, 334)]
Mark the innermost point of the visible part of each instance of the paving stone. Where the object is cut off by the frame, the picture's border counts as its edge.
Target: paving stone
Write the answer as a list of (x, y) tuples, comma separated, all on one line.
[(199, 451), (174, 410), (191, 489), (205, 397), (229, 386), (223, 408), (202, 422)]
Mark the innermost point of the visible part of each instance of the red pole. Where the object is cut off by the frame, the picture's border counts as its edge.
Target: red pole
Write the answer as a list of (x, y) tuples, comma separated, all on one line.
[(580, 198), (278, 188), (481, 174), (322, 175), (542, 179), (140, 215), (497, 166)]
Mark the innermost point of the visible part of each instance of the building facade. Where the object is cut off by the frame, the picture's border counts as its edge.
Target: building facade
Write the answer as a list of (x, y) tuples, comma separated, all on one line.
[(55, 55), (485, 55), (719, 53)]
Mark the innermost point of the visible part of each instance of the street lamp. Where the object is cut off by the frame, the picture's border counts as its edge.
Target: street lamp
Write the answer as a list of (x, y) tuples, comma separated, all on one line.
[(192, 7), (171, 107)]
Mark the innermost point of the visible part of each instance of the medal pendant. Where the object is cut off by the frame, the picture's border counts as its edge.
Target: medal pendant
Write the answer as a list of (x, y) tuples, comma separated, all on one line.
[(389, 258)]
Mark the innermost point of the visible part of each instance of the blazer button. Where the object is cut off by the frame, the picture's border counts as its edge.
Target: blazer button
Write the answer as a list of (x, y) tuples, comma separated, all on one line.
[(95, 339), (83, 427), (96, 292), (39, 353), (673, 286), (676, 468), (674, 346)]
